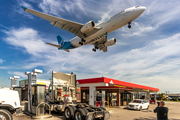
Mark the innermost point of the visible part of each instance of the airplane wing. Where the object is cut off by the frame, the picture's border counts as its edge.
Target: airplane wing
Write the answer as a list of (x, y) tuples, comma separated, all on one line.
[(100, 44), (70, 26)]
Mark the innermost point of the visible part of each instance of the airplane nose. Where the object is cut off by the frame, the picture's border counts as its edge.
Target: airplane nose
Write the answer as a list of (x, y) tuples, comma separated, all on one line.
[(143, 9)]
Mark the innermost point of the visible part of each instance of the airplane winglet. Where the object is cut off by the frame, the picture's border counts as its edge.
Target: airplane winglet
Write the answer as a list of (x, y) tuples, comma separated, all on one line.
[(24, 8)]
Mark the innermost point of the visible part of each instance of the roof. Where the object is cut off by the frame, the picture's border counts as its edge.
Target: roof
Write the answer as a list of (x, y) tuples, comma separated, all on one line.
[(116, 82)]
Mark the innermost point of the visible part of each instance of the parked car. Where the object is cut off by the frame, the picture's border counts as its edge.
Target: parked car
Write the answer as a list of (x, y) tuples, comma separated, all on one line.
[(138, 104), (168, 98)]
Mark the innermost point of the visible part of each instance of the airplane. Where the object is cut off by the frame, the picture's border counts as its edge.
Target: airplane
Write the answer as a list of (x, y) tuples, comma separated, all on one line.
[(90, 33)]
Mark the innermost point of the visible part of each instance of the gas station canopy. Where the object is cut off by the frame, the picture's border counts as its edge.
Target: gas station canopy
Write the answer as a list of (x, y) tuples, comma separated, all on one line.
[(104, 82)]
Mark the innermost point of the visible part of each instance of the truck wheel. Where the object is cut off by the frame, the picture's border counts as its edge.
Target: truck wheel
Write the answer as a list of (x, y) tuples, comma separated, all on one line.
[(5, 115), (69, 113), (74, 108), (85, 110), (80, 114)]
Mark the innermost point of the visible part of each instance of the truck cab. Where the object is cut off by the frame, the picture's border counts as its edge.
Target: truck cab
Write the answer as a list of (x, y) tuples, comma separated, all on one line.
[(60, 92), (9, 103)]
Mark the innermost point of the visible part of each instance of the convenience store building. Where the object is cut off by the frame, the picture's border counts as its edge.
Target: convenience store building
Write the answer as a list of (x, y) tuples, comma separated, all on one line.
[(100, 89)]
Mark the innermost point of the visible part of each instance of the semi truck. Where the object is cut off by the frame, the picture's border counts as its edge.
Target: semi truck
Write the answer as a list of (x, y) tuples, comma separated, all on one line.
[(9, 104), (61, 97)]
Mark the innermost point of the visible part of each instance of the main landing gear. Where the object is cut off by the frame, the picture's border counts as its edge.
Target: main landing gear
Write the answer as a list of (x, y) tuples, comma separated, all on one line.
[(94, 49), (129, 25), (82, 41)]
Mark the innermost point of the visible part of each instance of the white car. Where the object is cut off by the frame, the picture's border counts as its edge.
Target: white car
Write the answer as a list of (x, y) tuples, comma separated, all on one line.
[(138, 104)]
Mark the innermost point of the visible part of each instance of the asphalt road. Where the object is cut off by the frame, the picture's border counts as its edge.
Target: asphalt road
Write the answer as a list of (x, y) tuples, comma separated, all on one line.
[(125, 114)]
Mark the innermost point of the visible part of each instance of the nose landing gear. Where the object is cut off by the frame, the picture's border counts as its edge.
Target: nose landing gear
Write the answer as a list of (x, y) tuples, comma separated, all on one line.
[(129, 25)]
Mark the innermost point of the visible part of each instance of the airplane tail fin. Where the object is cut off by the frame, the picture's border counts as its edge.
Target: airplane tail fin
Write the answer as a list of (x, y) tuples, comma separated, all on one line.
[(60, 43), (60, 40)]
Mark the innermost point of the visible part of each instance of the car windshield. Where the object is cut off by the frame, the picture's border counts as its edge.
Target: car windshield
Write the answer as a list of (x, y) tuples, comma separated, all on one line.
[(136, 101)]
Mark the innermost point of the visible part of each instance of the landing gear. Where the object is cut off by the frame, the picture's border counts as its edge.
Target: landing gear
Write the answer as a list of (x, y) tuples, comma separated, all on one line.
[(94, 49), (129, 26), (82, 41)]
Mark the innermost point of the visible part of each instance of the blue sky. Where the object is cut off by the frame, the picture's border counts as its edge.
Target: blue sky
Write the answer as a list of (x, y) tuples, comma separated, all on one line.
[(147, 54)]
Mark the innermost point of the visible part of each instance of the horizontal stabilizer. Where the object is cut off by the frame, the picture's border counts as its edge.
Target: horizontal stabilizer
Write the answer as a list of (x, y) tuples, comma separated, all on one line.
[(54, 45), (66, 50), (57, 46)]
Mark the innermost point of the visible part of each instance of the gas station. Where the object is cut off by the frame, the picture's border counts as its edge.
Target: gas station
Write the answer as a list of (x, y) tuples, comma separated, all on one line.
[(96, 91)]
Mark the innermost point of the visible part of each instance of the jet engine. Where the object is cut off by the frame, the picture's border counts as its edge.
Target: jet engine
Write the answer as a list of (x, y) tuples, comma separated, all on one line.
[(87, 27), (110, 42)]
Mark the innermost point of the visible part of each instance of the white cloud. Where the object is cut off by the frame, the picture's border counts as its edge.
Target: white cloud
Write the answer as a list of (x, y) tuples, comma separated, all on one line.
[(1, 60), (18, 9), (26, 38), (56, 7), (158, 60), (155, 63), (16, 73), (138, 29)]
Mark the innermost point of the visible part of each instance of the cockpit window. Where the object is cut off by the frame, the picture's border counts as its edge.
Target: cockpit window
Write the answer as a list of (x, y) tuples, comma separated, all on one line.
[(136, 6)]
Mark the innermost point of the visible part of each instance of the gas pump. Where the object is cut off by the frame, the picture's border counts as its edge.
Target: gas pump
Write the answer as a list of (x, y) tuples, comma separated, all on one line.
[(99, 100), (36, 96)]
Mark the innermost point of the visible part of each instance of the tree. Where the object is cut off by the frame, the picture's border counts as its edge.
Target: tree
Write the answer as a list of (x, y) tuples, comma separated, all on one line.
[(161, 95)]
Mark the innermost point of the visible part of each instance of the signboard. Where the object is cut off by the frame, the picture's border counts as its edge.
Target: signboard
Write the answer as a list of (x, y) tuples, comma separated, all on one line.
[(33, 79), (145, 90), (120, 86), (13, 83), (22, 83)]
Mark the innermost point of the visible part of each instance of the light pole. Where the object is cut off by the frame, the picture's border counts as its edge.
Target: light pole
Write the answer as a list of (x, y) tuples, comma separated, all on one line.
[(32, 80), (14, 81)]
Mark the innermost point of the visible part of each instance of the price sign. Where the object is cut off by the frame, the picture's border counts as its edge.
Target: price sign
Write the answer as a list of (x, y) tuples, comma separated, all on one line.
[(33, 79)]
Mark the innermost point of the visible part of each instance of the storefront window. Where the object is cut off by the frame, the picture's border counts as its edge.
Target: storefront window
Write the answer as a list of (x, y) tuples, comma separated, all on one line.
[(114, 96), (124, 97)]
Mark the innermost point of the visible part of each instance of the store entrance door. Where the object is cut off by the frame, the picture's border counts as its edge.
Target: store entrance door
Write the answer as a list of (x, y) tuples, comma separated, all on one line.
[(113, 96)]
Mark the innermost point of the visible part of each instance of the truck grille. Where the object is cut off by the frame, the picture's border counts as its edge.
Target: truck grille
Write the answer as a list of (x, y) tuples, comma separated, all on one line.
[(131, 105)]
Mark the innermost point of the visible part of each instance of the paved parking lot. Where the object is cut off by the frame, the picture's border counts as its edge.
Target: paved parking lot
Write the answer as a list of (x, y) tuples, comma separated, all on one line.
[(125, 114)]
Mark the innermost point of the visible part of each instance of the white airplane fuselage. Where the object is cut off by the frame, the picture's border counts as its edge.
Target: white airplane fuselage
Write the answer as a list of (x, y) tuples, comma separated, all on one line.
[(117, 21)]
